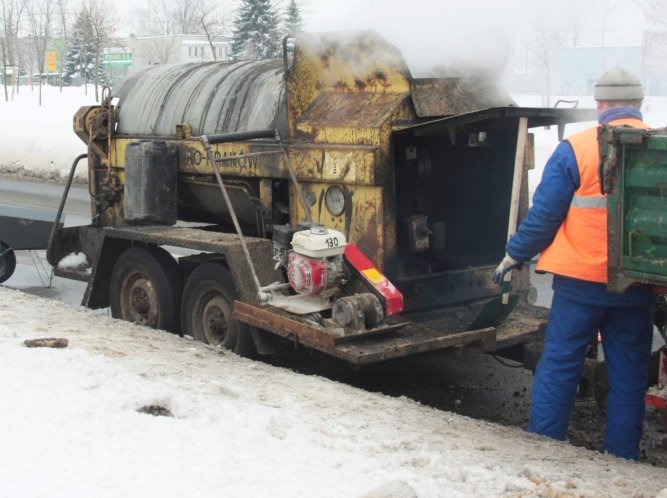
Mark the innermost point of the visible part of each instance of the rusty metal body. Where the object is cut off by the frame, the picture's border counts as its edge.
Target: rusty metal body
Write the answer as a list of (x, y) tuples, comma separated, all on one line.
[(416, 173)]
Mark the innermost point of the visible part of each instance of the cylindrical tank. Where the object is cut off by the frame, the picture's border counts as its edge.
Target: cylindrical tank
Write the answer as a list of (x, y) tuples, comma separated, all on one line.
[(151, 178), (214, 98)]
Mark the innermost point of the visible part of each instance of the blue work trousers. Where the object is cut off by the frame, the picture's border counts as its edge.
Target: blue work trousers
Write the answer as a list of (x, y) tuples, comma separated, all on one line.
[(626, 340)]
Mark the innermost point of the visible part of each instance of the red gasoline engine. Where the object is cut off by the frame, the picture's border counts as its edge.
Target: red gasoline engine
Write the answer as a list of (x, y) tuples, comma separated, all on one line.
[(319, 262)]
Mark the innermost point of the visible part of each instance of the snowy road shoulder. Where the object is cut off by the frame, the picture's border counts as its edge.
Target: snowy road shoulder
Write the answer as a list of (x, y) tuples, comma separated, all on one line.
[(70, 426)]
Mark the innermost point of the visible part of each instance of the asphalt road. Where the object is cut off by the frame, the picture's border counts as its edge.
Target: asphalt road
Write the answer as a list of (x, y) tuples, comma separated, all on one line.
[(44, 195), (33, 273)]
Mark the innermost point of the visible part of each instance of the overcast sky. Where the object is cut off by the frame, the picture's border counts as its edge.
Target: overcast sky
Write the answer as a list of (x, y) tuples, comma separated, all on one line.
[(431, 32), (428, 31), (474, 16)]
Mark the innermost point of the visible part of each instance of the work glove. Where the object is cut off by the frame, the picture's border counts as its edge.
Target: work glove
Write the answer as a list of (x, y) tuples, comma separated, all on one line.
[(508, 263)]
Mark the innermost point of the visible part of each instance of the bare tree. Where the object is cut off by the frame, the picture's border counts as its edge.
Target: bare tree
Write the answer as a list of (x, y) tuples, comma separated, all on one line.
[(62, 17), (161, 49), (606, 17), (185, 17), (175, 17), (39, 19), (577, 16), (210, 22), (185, 14), (655, 12), (139, 20), (10, 21), (655, 42), (544, 35), (162, 21), (102, 27), (182, 17)]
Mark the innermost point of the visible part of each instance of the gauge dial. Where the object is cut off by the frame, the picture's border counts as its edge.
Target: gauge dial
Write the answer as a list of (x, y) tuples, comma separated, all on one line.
[(334, 199)]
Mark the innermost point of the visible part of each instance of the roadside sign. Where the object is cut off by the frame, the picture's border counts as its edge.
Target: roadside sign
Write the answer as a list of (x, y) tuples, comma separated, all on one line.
[(51, 60)]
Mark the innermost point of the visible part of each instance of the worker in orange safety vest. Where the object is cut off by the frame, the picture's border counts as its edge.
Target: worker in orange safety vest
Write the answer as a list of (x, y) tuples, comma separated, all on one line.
[(567, 224)]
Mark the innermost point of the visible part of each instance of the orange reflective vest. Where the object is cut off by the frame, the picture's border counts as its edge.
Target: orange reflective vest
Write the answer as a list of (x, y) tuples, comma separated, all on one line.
[(579, 249)]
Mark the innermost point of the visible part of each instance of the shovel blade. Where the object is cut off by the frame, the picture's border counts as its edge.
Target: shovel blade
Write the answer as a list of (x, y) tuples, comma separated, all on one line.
[(494, 312)]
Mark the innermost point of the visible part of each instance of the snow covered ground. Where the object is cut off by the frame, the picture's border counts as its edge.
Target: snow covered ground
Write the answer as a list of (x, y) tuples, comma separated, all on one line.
[(38, 140), (70, 427), (70, 424)]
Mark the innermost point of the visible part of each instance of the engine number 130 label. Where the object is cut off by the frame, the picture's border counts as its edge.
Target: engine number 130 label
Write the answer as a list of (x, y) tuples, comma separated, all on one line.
[(331, 242)]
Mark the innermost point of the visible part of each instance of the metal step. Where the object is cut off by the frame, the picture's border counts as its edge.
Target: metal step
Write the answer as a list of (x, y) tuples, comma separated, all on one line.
[(80, 274), (396, 339)]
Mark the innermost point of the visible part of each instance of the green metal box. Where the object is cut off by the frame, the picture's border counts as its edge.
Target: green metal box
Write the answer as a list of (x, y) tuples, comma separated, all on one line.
[(633, 174)]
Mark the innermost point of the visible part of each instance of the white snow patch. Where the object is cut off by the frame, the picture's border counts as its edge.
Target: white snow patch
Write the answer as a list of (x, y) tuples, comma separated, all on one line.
[(38, 141), (70, 426), (74, 260)]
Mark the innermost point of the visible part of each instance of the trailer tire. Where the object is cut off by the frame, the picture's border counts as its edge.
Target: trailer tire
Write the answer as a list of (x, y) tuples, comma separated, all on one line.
[(207, 310), (7, 262), (146, 285)]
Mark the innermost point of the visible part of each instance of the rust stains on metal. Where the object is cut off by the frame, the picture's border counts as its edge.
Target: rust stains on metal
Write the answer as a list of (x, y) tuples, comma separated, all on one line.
[(396, 340), (347, 164), (347, 117), (341, 86), (326, 58), (448, 96), (273, 320), (363, 222), (358, 62)]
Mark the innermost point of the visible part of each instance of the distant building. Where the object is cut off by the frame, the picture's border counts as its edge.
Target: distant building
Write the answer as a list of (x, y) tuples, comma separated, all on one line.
[(117, 62), (11, 72), (655, 62), (170, 49), (574, 70)]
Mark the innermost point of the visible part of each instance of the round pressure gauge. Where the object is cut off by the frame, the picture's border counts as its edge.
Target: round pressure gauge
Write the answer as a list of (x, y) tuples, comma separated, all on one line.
[(334, 200)]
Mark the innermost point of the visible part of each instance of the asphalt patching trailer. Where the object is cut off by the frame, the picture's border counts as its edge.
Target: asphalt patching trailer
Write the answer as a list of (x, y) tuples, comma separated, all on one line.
[(328, 198)]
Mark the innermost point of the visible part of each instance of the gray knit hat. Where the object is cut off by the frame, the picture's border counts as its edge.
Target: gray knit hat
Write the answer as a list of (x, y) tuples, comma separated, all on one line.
[(618, 84)]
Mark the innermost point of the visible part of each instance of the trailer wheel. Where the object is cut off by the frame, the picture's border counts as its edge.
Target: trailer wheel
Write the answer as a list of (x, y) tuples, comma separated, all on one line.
[(206, 310), (7, 262), (146, 287)]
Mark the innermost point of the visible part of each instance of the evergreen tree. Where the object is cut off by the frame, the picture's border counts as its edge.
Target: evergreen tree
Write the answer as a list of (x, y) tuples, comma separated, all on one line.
[(256, 34), (293, 19), (81, 61)]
